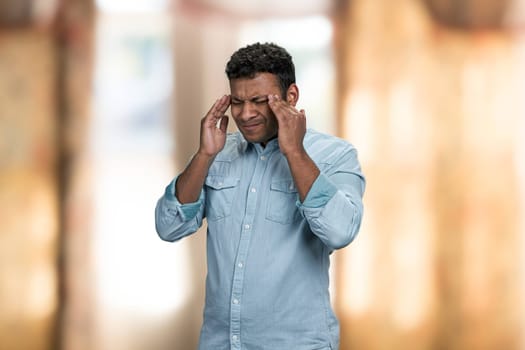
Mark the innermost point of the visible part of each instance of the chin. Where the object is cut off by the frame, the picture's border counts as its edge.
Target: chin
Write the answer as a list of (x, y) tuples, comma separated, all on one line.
[(258, 138), (253, 139)]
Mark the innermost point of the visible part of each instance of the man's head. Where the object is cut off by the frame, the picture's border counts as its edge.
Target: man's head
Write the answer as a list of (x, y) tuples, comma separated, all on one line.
[(256, 71), (262, 58)]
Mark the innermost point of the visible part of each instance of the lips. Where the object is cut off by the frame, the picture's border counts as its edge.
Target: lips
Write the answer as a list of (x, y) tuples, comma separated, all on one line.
[(251, 127)]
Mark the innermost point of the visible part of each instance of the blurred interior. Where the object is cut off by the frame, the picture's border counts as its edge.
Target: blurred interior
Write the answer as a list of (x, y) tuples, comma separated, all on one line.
[(100, 103)]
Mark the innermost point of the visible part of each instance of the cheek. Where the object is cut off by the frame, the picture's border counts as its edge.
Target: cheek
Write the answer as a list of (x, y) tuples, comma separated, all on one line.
[(234, 110), (235, 113), (272, 119)]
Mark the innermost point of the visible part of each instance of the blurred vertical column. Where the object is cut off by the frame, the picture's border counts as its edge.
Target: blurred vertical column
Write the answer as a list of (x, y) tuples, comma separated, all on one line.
[(431, 93), (74, 60), (29, 192), (385, 289)]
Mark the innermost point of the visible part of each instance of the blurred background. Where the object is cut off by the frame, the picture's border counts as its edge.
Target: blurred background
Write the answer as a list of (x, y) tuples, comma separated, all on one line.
[(100, 103)]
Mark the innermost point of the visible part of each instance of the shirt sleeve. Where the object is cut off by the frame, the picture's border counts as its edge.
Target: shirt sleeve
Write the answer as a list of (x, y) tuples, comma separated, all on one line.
[(174, 220), (320, 193), (187, 210), (333, 207)]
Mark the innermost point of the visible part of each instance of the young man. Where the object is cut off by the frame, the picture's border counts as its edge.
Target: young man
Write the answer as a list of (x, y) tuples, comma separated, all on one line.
[(278, 199)]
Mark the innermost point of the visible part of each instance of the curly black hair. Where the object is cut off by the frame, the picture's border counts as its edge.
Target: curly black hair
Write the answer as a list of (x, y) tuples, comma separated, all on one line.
[(262, 58)]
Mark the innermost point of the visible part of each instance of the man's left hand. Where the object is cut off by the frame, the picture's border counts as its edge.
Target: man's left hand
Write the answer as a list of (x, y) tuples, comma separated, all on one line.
[(292, 125)]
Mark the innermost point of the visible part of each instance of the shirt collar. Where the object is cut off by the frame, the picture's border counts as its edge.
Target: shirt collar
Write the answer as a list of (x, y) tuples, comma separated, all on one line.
[(270, 146)]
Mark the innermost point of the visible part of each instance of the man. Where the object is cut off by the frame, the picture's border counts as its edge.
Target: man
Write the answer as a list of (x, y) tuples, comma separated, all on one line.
[(278, 199)]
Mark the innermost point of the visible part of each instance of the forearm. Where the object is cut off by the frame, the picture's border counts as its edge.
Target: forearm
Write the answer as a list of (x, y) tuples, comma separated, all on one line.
[(190, 182), (304, 171)]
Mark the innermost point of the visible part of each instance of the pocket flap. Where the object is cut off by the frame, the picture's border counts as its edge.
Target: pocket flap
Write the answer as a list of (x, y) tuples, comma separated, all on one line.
[(283, 186), (220, 182)]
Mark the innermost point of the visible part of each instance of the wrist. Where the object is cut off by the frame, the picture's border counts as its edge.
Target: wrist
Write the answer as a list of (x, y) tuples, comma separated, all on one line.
[(204, 156), (297, 153)]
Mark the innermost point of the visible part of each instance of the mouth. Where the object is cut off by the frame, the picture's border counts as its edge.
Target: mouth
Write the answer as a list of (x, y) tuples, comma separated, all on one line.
[(251, 127)]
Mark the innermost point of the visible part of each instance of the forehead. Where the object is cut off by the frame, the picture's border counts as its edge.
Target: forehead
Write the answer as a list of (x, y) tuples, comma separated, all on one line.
[(260, 84)]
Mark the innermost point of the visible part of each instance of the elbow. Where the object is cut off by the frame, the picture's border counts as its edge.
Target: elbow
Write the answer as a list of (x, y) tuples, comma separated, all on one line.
[(165, 224), (343, 235), (339, 244), (341, 240), (170, 227), (171, 234), (163, 231)]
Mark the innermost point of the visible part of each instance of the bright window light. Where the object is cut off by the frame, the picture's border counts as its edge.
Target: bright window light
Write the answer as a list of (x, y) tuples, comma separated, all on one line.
[(131, 147), (134, 6), (303, 33)]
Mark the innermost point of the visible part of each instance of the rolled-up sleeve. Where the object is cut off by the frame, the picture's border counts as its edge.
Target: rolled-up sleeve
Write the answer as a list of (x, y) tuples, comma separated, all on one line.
[(333, 207), (174, 220)]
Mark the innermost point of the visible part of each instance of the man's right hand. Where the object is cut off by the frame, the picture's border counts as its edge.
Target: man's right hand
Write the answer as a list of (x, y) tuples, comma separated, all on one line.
[(189, 183), (214, 128)]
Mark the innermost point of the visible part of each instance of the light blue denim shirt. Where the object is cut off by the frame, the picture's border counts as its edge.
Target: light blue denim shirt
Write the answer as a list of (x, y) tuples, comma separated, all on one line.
[(267, 253)]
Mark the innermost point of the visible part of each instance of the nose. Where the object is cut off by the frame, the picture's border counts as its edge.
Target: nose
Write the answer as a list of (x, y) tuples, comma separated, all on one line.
[(248, 110)]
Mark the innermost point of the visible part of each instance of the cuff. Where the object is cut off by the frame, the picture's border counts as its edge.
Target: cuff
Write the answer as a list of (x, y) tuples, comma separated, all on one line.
[(187, 210), (320, 193)]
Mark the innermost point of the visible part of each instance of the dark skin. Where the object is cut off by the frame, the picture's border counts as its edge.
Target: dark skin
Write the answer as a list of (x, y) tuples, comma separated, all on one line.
[(261, 114)]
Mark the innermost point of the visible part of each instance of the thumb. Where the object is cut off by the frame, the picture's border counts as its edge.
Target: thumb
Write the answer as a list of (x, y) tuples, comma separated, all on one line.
[(224, 123)]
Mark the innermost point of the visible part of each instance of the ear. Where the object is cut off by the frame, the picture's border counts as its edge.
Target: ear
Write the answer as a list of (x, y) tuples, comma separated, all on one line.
[(292, 94)]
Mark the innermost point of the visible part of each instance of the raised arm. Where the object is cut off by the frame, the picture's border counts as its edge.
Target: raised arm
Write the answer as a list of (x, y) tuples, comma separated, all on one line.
[(331, 202), (292, 128), (212, 138), (179, 212)]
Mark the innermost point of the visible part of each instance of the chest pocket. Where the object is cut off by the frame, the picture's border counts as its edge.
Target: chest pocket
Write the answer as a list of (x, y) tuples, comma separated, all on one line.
[(220, 191), (281, 202)]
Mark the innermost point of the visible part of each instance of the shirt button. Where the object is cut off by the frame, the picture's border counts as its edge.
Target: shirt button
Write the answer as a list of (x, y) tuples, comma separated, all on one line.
[(236, 301), (234, 337), (246, 227), (253, 189), (263, 158), (240, 265)]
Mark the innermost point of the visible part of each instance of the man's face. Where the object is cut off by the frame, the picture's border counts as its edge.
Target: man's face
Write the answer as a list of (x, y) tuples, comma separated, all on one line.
[(250, 109)]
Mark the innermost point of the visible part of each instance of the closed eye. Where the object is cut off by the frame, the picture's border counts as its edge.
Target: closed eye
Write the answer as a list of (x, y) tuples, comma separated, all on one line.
[(260, 101)]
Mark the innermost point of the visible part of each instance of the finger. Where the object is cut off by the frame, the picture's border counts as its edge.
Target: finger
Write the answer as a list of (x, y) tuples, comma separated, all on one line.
[(218, 108), (277, 106), (224, 103), (283, 109), (210, 116), (224, 123), (277, 101)]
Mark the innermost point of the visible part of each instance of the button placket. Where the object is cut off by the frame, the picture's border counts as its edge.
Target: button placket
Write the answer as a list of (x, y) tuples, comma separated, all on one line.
[(244, 243)]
